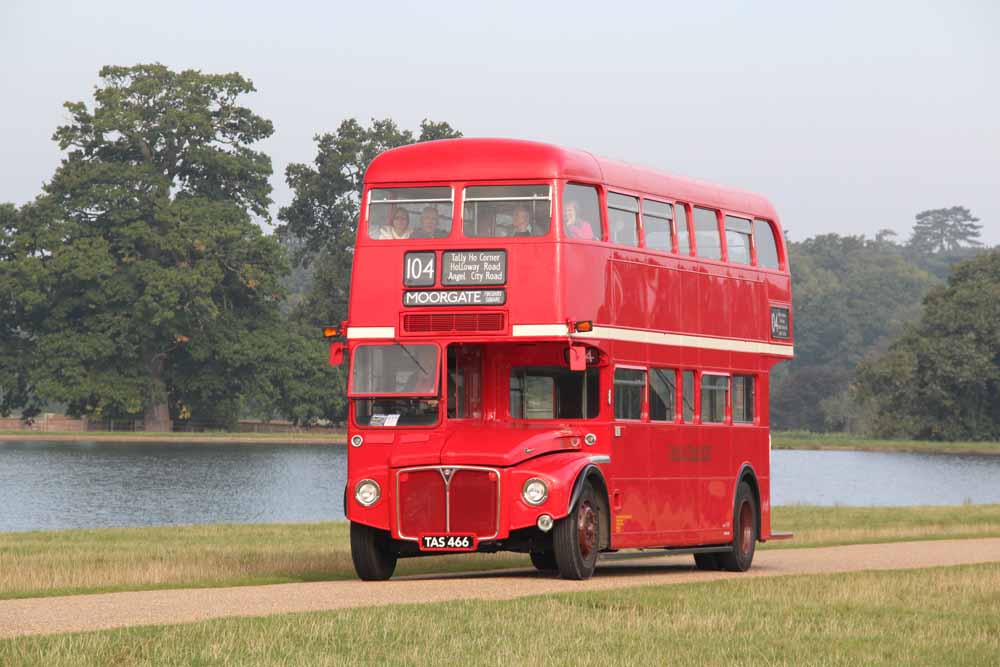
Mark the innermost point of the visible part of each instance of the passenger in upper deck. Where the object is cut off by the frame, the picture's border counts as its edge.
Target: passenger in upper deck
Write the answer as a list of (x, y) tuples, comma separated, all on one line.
[(576, 228), (521, 222), (400, 228), (428, 228)]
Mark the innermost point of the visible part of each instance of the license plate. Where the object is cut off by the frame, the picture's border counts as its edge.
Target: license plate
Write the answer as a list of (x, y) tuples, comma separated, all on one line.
[(453, 542)]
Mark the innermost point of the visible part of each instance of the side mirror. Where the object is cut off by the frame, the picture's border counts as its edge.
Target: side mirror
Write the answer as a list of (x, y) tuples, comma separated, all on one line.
[(577, 358), (336, 354)]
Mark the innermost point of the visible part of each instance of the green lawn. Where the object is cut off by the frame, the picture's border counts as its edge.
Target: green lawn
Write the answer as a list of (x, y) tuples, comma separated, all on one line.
[(940, 616), (843, 441), (78, 561)]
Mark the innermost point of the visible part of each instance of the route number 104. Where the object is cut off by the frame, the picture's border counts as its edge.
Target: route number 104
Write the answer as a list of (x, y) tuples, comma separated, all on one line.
[(418, 268)]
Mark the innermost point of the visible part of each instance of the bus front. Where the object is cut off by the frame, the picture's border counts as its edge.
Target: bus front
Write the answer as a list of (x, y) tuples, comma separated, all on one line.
[(468, 431)]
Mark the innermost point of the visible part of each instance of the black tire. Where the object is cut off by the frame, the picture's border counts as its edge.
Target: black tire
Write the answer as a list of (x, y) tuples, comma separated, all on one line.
[(707, 561), (577, 538), (370, 551), (544, 561), (745, 515)]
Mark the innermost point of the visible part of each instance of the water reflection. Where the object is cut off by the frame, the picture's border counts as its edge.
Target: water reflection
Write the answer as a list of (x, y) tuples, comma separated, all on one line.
[(52, 485)]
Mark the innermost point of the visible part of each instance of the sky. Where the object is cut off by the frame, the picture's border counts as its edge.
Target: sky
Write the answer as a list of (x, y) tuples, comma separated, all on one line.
[(850, 118)]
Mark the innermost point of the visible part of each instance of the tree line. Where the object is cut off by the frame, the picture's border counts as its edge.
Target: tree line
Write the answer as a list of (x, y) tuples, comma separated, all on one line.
[(138, 284)]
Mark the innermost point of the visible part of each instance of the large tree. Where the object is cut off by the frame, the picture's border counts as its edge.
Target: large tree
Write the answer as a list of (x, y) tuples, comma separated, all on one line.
[(941, 378), (151, 285), (323, 215)]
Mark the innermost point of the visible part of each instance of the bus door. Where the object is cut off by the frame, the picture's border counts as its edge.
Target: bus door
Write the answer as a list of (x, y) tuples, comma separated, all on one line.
[(629, 458), (716, 476), (674, 452), (465, 381)]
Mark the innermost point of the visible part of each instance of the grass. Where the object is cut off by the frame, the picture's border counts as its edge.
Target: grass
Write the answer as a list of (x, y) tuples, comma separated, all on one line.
[(940, 616), (845, 441), (86, 561)]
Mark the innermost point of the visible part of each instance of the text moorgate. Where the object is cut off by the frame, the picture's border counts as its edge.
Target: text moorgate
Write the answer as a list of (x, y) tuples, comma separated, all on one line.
[(477, 297)]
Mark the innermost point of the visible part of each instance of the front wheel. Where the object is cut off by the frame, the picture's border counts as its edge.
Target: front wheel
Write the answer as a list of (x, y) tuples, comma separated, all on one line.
[(577, 538), (544, 561), (744, 532), (370, 551)]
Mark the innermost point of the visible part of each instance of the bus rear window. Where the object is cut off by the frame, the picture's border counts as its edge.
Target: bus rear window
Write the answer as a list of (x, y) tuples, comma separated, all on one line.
[(553, 392), (506, 211), (395, 214)]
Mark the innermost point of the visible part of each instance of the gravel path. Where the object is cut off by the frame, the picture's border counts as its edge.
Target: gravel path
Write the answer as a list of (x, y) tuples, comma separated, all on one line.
[(113, 610)]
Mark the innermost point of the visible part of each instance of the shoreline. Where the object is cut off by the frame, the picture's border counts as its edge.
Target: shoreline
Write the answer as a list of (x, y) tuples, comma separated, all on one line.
[(222, 438), (780, 441)]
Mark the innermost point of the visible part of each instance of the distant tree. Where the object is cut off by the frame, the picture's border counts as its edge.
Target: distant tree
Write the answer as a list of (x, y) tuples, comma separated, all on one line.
[(945, 230), (941, 378), (850, 296), (147, 287)]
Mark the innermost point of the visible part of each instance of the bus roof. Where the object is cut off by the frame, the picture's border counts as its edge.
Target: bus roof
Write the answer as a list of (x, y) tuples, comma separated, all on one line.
[(483, 159)]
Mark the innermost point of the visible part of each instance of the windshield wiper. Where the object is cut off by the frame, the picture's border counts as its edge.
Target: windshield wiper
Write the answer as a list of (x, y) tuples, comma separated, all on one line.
[(410, 355)]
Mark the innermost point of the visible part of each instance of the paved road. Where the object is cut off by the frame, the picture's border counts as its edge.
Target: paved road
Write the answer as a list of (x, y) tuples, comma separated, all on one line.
[(114, 610)]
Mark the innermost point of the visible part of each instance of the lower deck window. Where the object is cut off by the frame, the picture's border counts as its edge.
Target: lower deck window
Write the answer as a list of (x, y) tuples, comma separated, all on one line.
[(630, 383), (743, 399), (661, 395), (553, 392), (714, 392), (395, 411)]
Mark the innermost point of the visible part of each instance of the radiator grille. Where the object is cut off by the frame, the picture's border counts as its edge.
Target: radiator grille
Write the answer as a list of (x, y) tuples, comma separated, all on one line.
[(469, 502), (436, 323)]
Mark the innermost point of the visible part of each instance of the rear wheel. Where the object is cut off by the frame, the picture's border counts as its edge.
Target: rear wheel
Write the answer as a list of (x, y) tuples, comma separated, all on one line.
[(744, 532), (577, 538), (370, 551), (544, 561), (706, 561)]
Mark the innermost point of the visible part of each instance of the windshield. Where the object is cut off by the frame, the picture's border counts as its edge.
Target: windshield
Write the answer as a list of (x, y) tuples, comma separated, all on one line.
[(409, 213), (380, 370), (506, 210)]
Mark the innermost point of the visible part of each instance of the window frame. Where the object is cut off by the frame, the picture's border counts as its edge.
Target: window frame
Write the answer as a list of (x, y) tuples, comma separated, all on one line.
[(636, 217), (670, 224), (754, 418), (779, 249), (643, 404), (460, 201), (726, 411), (674, 412), (599, 188), (366, 210)]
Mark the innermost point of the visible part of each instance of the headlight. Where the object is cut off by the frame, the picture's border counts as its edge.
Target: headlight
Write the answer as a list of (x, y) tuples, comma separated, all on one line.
[(367, 492), (534, 491), (357, 440)]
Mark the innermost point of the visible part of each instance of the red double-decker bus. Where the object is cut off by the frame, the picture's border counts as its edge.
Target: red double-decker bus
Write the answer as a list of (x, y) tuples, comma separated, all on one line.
[(561, 355)]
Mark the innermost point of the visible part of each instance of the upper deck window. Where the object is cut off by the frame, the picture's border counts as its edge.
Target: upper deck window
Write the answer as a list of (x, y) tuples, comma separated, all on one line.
[(656, 217), (623, 218), (738, 239), (683, 235), (506, 210), (767, 245), (708, 243), (409, 213), (581, 212)]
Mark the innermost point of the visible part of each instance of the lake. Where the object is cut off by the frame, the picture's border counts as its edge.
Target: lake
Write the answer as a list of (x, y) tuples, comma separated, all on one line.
[(53, 485)]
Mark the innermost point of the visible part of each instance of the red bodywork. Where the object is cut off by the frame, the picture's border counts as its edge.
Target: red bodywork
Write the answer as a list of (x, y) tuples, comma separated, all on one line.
[(668, 483)]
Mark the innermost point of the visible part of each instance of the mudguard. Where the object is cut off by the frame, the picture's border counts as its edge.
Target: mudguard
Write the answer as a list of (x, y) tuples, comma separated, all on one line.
[(564, 474)]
